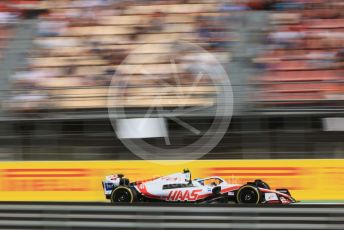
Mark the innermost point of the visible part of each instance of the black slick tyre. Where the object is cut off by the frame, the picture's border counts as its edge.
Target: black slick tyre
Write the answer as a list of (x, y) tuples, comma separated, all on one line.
[(122, 194), (248, 194)]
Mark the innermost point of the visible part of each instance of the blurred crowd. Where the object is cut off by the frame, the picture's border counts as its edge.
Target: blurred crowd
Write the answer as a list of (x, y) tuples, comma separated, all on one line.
[(80, 43), (302, 55), (8, 16)]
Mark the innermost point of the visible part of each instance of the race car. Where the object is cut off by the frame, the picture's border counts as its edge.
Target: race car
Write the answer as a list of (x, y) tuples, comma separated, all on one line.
[(179, 187)]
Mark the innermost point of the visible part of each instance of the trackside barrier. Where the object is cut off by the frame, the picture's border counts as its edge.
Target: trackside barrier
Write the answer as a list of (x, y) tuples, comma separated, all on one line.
[(307, 180), (106, 216)]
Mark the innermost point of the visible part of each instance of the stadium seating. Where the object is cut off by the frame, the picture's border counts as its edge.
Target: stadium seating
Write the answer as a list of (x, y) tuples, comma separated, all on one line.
[(302, 66), (79, 46), (8, 18)]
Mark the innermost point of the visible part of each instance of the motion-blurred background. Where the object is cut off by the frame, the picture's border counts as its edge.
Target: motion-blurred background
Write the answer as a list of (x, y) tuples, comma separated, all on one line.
[(58, 57)]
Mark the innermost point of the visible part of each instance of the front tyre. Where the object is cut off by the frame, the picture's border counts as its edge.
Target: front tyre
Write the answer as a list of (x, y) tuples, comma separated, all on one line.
[(122, 194), (248, 194)]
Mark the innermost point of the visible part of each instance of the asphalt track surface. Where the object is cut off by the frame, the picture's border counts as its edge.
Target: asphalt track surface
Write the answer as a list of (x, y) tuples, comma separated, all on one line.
[(66, 215)]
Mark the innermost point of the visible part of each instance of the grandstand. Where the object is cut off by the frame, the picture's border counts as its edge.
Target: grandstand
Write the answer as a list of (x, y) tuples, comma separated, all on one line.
[(70, 53), (301, 59), (284, 59)]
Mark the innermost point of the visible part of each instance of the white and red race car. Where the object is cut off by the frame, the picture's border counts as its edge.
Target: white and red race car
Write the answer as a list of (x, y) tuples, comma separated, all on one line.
[(179, 187)]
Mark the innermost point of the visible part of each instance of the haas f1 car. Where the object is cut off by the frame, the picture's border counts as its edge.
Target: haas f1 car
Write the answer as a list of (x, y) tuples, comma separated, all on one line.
[(179, 187)]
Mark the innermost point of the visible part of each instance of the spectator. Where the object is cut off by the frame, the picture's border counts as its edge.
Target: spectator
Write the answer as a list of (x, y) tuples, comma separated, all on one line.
[(51, 27), (7, 14), (235, 5), (156, 23)]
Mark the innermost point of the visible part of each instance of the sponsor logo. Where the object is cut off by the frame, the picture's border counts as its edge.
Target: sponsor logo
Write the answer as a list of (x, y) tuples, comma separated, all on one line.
[(170, 178), (183, 195), (270, 196), (109, 186), (142, 187), (283, 200)]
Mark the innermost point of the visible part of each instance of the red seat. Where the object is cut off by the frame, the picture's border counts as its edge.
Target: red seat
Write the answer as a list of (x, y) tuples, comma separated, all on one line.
[(292, 98), (291, 65), (303, 87), (326, 23), (314, 75)]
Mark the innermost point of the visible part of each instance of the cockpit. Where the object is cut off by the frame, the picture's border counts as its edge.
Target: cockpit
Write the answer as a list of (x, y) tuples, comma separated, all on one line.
[(210, 181)]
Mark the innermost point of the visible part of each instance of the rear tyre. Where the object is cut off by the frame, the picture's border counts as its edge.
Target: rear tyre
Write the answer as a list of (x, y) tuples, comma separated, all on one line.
[(248, 194), (123, 194)]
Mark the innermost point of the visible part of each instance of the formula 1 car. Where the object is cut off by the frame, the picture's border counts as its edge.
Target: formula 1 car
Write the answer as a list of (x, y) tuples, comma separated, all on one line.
[(179, 187)]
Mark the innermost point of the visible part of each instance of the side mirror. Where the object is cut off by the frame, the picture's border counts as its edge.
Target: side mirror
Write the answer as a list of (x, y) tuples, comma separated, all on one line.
[(216, 190)]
